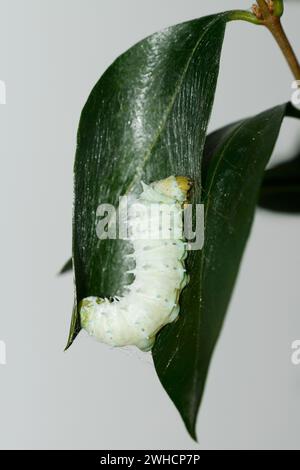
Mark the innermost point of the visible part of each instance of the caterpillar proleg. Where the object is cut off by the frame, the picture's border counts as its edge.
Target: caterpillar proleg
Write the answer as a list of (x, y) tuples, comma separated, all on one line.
[(152, 300)]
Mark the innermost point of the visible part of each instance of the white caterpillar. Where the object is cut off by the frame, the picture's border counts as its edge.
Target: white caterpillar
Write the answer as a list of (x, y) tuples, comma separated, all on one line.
[(151, 301)]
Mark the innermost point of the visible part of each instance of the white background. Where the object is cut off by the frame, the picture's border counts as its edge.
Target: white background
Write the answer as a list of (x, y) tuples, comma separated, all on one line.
[(51, 54)]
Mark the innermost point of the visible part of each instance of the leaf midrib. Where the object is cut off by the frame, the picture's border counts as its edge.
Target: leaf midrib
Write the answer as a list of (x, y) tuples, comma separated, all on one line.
[(161, 128)]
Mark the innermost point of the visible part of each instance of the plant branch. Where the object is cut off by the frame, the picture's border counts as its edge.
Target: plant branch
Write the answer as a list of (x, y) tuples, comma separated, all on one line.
[(275, 27), (267, 13)]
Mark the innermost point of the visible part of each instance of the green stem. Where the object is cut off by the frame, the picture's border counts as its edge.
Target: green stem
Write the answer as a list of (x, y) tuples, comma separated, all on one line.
[(242, 15)]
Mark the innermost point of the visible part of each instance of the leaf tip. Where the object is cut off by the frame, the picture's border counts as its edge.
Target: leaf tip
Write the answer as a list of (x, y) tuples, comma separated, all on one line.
[(69, 343), (193, 434), (66, 267), (190, 424)]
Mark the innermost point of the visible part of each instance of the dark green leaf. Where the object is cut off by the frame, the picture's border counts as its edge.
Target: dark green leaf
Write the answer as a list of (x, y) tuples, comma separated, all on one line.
[(238, 155), (145, 119), (280, 190)]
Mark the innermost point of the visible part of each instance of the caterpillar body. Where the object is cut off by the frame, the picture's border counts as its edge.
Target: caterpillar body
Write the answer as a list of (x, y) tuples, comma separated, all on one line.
[(152, 300)]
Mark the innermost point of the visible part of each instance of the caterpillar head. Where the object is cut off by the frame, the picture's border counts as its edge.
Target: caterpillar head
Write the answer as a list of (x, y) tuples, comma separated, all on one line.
[(175, 187)]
